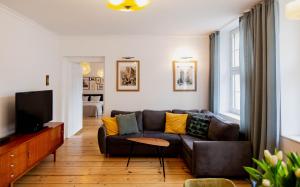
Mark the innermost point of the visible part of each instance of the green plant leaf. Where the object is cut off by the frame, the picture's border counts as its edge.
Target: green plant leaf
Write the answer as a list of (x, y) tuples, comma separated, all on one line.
[(261, 164), (254, 174)]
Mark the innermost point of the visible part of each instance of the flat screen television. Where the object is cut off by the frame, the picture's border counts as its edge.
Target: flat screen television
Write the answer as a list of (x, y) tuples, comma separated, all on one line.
[(33, 110)]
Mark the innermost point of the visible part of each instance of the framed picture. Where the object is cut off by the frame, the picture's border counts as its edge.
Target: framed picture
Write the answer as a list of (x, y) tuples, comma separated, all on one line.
[(185, 75), (93, 85), (98, 80), (100, 87), (86, 83), (128, 75)]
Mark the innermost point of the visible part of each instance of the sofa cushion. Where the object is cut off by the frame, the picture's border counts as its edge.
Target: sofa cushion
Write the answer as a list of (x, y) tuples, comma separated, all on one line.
[(187, 142), (176, 123), (154, 120), (221, 130), (138, 115), (172, 138), (111, 125), (127, 124), (199, 125), (188, 121)]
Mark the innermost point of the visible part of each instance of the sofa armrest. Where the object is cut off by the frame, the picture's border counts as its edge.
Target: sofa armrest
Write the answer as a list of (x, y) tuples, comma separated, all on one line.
[(221, 158), (102, 139)]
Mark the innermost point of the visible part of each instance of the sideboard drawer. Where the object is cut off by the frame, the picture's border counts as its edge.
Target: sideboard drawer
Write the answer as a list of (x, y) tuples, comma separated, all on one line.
[(15, 162), (22, 152)]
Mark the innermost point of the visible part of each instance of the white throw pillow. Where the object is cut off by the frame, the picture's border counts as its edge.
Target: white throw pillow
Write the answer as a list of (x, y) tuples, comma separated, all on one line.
[(95, 98), (85, 98)]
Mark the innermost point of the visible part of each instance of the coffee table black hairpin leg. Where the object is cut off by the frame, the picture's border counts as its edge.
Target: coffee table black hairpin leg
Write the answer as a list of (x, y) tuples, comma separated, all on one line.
[(159, 155), (130, 153), (163, 161)]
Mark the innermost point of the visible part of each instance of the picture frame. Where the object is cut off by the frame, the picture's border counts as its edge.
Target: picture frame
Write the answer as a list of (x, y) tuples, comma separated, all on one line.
[(184, 76), (98, 80), (100, 87), (128, 75), (86, 83), (93, 85)]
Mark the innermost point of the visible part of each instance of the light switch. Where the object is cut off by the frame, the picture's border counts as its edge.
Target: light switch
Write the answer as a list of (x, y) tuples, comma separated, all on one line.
[(47, 80)]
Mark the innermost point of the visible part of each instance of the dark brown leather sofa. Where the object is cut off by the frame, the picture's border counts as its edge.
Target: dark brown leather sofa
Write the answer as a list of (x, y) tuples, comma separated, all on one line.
[(223, 154)]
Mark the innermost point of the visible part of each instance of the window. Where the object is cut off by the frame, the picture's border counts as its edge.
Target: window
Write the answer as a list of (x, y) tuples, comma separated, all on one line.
[(235, 89)]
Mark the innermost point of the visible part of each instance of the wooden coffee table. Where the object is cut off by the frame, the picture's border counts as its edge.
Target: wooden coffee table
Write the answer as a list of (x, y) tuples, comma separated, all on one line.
[(160, 144)]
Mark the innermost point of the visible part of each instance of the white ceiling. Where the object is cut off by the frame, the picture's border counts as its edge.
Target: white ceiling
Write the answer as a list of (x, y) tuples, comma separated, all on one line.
[(162, 17)]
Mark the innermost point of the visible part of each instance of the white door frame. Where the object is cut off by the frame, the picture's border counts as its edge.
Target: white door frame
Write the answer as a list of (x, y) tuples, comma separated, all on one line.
[(67, 86)]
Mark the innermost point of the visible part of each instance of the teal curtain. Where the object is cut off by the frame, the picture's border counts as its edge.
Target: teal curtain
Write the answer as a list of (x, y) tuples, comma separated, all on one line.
[(214, 72), (260, 89)]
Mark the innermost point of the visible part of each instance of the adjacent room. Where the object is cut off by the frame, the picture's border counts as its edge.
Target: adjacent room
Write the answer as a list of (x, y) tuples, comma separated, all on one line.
[(93, 89), (149, 93)]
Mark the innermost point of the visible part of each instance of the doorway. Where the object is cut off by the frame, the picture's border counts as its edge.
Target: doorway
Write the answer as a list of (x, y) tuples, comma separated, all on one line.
[(83, 91)]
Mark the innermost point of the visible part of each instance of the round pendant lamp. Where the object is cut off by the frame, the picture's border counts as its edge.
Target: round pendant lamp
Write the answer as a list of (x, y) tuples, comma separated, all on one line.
[(127, 5), (86, 68)]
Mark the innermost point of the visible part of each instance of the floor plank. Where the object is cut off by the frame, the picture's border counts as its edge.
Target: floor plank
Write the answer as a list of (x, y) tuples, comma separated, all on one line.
[(80, 164)]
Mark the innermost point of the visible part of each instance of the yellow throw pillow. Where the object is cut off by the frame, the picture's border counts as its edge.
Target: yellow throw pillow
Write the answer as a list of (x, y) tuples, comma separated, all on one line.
[(176, 123), (111, 126)]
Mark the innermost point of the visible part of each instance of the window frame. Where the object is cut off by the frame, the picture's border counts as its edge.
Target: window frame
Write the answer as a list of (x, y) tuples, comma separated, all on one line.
[(234, 70)]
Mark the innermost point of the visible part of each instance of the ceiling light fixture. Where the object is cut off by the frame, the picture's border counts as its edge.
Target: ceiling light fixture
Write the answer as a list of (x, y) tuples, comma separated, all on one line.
[(127, 5), (86, 68), (293, 10)]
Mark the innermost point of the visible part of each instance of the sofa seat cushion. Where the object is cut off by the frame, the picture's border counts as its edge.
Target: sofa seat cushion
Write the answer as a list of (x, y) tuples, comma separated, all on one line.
[(154, 120), (119, 140), (188, 141), (172, 138), (138, 115)]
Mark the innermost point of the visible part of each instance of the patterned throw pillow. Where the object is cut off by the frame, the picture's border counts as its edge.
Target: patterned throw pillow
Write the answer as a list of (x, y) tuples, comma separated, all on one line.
[(199, 125)]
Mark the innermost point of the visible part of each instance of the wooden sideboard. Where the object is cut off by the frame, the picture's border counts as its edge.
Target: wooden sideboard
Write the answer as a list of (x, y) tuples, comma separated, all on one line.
[(22, 152)]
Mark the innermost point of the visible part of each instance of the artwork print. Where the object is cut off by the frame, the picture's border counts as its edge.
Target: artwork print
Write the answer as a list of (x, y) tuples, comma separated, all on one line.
[(185, 76), (128, 75), (86, 83)]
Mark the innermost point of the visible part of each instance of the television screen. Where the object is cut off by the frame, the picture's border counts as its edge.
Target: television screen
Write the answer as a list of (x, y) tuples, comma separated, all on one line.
[(33, 110)]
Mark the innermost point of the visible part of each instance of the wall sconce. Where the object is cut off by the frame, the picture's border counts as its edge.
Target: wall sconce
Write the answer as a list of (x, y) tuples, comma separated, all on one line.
[(292, 10), (128, 57), (183, 53), (186, 58)]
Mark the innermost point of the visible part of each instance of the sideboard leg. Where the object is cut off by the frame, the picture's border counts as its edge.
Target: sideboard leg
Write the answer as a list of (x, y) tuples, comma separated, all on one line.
[(54, 156)]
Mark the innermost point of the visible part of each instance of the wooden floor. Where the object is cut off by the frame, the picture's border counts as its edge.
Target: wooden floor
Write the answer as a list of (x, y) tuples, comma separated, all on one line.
[(79, 163)]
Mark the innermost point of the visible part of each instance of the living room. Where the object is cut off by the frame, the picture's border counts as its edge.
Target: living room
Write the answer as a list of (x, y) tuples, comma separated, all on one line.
[(162, 56)]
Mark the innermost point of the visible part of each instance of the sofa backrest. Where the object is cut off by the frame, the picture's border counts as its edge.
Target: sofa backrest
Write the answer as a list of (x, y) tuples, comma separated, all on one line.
[(154, 120), (222, 130), (178, 111), (138, 115)]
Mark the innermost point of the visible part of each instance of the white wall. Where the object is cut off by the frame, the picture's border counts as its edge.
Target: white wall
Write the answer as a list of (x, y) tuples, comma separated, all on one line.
[(156, 54), (290, 72), (73, 97), (27, 54)]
